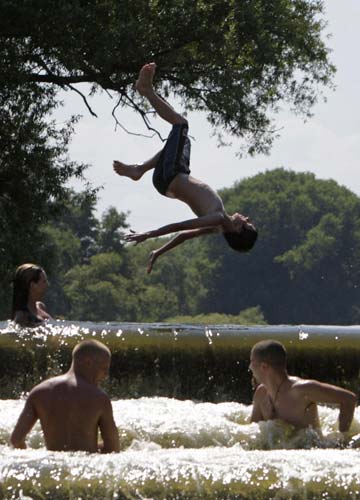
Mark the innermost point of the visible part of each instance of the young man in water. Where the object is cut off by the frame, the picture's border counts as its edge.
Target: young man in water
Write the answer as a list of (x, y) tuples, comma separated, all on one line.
[(289, 398), (172, 179), (71, 407)]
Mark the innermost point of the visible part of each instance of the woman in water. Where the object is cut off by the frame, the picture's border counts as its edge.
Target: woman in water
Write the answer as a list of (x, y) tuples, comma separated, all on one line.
[(30, 284)]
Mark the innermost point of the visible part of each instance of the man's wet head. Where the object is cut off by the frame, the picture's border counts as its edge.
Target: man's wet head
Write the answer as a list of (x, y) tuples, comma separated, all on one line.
[(91, 360), (267, 355), (243, 235)]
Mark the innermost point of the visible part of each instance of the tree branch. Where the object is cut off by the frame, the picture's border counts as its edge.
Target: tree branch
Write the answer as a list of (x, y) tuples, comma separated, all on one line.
[(117, 123), (144, 117), (58, 80), (84, 99)]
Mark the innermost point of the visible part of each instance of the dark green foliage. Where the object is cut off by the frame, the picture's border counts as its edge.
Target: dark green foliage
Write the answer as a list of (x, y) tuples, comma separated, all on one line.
[(71, 241), (234, 60), (251, 316), (34, 167), (305, 266), (100, 290), (111, 232)]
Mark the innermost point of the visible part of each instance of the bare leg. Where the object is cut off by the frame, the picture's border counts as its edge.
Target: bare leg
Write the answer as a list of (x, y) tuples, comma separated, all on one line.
[(145, 87), (135, 172)]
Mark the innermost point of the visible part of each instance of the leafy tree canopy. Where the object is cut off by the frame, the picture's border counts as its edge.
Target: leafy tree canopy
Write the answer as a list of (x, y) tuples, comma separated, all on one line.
[(251, 316), (305, 266), (34, 167), (99, 291), (235, 60)]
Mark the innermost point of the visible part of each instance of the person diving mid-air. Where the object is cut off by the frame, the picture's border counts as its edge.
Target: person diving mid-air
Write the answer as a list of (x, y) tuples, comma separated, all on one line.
[(172, 178)]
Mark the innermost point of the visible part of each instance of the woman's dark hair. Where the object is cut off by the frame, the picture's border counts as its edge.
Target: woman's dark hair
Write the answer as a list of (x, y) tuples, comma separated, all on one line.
[(24, 275), (244, 241)]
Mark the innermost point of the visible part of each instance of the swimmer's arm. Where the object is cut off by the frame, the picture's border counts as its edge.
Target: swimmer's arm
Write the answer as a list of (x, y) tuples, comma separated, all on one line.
[(108, 429), (330, 394), (256, 414), (25, 423), (207, 221), (177, 240)]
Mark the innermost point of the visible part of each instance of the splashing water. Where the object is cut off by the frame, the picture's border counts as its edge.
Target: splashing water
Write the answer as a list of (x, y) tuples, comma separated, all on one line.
[(177, 448), (182, 449)]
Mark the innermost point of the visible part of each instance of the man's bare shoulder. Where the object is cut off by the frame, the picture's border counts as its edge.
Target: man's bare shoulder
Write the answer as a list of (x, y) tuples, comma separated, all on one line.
[(260, 393), (308, 389), (303, 384), (67, 391), (68, 382), (49, 384)]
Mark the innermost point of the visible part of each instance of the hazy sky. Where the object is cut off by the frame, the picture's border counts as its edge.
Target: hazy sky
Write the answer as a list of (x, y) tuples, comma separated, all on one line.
[(327, 145)]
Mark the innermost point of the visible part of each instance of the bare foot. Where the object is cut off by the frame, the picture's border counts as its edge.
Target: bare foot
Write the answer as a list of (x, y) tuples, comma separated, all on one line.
[(134, 172), (144, 83)]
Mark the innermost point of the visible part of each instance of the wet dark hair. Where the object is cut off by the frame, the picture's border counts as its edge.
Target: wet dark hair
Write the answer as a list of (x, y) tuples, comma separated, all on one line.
[(24, 276), (243, 241), (271, 352)]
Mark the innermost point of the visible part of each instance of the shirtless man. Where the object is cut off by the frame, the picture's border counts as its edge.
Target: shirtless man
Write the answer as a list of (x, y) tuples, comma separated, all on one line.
[(172, 179), (71, 407), (292, 399)]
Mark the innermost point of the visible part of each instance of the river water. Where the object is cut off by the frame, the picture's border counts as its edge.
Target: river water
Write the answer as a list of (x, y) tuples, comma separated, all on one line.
[(175, 446)]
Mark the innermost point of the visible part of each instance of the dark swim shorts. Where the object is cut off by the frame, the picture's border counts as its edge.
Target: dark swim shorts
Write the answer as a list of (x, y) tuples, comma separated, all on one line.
[(174, 158)]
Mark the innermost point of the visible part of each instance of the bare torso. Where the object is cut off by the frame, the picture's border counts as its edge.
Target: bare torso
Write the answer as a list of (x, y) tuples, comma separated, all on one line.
[(69, 409), (196, 194), (290, 405)]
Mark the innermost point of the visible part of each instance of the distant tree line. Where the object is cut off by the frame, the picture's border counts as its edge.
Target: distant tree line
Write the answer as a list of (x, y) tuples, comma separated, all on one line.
[(305, 267)]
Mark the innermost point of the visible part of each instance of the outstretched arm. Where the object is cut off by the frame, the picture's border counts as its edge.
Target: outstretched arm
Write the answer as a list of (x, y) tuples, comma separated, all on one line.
[(177, 240), (25, 423), (212, 221), (331, 394)]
